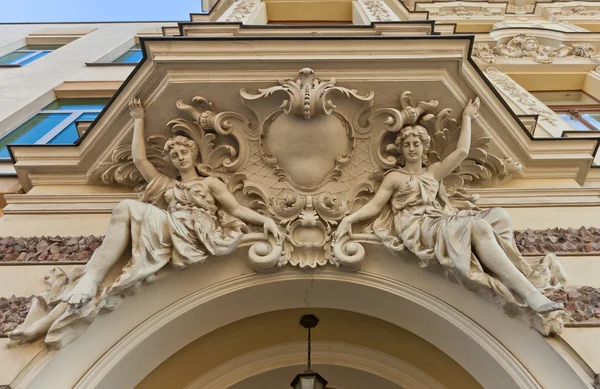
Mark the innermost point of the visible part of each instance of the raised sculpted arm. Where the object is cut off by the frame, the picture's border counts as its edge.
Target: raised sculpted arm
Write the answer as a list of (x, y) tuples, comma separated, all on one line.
[(454, 159), (371, 209), (138, 144)]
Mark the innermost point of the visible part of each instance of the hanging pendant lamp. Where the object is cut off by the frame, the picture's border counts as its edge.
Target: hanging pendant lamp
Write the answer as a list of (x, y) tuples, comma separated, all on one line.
[(309, 379)]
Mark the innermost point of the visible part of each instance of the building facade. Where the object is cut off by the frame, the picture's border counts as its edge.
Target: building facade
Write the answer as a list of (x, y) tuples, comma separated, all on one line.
[(421, 176)]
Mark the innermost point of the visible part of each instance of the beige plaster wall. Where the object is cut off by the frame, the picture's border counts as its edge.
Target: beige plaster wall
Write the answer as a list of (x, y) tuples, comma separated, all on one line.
[(25, 90)]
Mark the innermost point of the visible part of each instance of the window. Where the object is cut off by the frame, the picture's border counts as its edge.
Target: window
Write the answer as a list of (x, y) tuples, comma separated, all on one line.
[(27, 54), (133, 55), (580, 110), (55, 124)]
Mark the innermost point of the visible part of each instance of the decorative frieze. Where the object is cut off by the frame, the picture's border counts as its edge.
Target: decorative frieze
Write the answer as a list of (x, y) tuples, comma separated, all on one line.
[(521, 96), (378, 11), (464, 12), (558, 240), (578, 10), (524, 46), (13, 311), (48, 249), (581, 304), (572, 27), (241, 10)]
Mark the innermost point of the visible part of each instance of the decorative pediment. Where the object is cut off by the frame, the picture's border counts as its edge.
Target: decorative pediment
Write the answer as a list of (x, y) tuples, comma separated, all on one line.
[(309, 152), (283, 160)]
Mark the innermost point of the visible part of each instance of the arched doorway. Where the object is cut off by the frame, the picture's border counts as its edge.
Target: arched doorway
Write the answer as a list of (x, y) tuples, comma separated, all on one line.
[(120, 349)]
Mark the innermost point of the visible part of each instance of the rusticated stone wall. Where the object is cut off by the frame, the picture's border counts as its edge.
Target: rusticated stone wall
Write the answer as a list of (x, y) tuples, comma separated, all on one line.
[(13, 311), (48, 249), (559, 240), (581, 304)]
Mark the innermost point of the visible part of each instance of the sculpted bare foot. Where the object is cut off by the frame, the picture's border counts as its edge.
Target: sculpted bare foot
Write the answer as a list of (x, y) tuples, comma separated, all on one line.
[(84, 291), (542, 304), (27, 334)]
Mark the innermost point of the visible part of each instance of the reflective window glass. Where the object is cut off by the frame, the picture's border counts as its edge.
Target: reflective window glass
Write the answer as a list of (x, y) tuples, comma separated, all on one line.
[(55, 124), (12, 58), (27, 54), (593, 119), (32, 130), (573, 122), (36, 56), (76, 104), (69, 135), (133, 55)]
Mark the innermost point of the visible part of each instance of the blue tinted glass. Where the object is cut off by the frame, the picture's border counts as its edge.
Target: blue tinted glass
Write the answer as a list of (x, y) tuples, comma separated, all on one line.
[(37, 56), (593, 119), (40, 47), (32, 131), (12, 58), (69, 135), (77, 104), (88, 117), (131, 56), (574, 123)]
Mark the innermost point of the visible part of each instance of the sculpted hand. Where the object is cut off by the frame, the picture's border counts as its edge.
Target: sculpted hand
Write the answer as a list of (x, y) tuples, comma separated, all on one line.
[(270, 227), (136, 109), (471, 108), (344, 228)]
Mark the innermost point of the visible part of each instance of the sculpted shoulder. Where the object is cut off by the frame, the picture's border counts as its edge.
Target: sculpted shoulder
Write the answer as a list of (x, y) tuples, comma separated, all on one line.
[(395, 180)]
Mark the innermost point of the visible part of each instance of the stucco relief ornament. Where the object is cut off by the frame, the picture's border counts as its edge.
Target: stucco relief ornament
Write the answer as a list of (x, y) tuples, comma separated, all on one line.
[(180, 221), (306, 135), (377, 10), (414, 210), (524, 46), (242, 10)]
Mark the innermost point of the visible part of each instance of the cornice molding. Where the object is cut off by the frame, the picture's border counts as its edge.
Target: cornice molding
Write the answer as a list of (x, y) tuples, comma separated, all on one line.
[(64, 164)]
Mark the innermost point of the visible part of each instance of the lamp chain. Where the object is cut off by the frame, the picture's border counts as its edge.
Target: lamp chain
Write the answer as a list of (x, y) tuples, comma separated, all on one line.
[(308, 360)]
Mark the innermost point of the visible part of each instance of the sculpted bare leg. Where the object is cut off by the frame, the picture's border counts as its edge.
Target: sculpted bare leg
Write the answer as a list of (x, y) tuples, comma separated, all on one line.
[(496, 260), (114, 245)]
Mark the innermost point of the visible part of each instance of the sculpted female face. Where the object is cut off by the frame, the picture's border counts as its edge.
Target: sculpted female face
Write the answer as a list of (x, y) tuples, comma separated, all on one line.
[(182, 157), (412, 149)]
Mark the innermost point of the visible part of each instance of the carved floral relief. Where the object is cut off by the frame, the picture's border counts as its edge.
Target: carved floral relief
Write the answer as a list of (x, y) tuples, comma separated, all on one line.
[(524, 46), (467, 13)]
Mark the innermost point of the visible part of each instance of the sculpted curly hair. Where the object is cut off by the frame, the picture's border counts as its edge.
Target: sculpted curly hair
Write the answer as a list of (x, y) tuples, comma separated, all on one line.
[(421, 133), (181, 141)]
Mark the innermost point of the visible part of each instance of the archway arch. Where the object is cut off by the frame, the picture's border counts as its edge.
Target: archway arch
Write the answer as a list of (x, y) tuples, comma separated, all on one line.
[(124, 346)]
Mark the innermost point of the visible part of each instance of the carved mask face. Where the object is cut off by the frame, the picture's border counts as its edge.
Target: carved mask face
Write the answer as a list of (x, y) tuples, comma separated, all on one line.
[(182, 158), (412, 149)]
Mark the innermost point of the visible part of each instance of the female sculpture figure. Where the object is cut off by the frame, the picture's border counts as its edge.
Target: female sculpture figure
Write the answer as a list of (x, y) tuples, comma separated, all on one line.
[(177, 222), (477, 246)]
